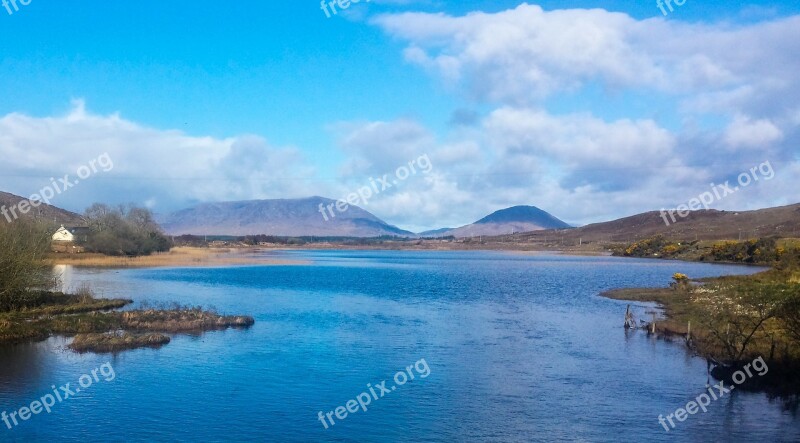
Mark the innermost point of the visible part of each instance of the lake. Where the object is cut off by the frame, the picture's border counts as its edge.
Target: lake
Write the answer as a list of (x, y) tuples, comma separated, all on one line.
[(501, 347)]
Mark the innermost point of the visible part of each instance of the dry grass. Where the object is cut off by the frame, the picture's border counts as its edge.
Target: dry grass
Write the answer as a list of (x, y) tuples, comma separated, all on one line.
[(181, 320), (177, 257), (116, 342)]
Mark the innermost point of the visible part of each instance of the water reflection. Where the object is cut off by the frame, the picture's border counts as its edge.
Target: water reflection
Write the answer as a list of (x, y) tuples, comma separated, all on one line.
[(64, 275)]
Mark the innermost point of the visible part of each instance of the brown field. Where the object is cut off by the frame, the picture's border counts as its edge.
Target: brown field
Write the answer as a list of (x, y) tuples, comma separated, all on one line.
[(177, 257)]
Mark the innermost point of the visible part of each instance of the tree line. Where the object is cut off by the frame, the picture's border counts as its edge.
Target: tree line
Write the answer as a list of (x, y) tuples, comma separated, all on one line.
[(123, 231), (26, 278)]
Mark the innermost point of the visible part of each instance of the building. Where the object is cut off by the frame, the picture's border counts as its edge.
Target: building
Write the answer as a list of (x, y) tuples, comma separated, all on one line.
[(64, 239), (63, 235), (71, 234)]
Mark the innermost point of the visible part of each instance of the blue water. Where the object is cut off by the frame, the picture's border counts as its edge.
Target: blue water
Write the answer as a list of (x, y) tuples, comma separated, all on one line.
[(517, 347)]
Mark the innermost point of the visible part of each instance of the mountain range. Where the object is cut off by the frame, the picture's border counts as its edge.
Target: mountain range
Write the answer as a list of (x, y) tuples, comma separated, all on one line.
[(318, 216)]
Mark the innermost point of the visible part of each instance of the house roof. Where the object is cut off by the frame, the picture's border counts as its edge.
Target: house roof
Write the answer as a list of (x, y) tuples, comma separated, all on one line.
[(74, 229)]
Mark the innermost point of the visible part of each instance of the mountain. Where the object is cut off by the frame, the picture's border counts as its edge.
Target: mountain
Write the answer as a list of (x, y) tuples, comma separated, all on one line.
[(283, 218), (43, 212), (435, 232), (510, 220), (705, 224)]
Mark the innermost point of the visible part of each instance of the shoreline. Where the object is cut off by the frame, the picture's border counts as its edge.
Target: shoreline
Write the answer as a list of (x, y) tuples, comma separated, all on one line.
[(206, 257), (690, 313), (178, 257)]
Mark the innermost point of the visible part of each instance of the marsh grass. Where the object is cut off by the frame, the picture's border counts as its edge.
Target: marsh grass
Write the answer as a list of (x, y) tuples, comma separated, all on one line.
[(96, 321), (113, 342), (181, 320)]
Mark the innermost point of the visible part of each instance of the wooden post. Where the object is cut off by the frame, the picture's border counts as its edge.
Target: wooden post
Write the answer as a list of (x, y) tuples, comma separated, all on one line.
[(653, 325), (689, 329), (628, 317)]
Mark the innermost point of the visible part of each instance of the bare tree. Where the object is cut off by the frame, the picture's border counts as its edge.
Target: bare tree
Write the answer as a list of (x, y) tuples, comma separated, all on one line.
[(790, 314), (124, 230), (23, 270), (741, 320)]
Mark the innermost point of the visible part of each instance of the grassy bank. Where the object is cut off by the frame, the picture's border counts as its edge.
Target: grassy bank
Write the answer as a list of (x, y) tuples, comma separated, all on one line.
[(733, 319)]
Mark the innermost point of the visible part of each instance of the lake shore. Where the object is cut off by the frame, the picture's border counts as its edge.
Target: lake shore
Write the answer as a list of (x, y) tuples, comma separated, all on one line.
[(731, 321), (183, 256)]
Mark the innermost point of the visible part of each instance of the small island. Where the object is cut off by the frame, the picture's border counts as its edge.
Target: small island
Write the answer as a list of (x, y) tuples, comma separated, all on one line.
[(98, 327)]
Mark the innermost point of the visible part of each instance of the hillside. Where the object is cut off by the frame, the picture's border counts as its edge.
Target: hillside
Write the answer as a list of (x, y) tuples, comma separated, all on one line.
[(509, 220), (283, 217), (709, 224), (43, 212)]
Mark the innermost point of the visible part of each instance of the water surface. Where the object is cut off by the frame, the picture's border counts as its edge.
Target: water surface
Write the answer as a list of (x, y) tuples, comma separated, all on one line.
[(519, 347)]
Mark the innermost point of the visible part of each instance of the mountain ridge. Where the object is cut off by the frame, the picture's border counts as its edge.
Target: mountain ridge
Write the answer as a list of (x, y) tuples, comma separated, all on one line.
[(301, 217)]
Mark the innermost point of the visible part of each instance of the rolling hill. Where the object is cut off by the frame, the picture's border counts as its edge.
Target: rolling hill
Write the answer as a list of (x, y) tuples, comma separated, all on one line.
[(711, 224), (43, 212)]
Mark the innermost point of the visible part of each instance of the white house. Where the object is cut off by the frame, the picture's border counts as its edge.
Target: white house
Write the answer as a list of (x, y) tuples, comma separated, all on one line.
[(71, 234), (63, 235)]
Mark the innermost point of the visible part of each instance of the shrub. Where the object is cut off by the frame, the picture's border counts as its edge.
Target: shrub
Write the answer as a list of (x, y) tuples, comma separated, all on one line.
[(680, 281), (23, 272)]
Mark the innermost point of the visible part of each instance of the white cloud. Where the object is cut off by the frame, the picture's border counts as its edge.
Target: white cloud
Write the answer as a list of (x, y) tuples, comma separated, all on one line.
[(523, 55), (734, 86), (746, 133), (156, 167)]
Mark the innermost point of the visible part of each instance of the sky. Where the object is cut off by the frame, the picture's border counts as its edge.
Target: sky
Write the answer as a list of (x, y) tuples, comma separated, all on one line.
[(590, 110)]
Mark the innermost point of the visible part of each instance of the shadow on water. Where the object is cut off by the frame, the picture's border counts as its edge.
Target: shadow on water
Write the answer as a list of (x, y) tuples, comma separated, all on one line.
[(23, 367)]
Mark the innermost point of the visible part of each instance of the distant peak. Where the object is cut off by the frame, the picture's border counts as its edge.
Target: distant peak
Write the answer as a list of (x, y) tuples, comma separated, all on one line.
[(524, 214)]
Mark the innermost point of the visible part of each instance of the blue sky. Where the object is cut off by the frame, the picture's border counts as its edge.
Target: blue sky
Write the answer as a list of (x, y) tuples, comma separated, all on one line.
[(334, 101)]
